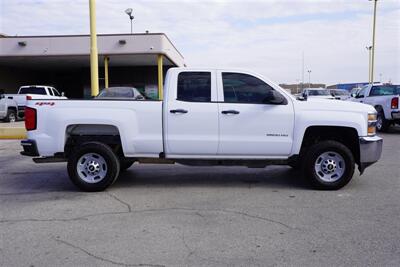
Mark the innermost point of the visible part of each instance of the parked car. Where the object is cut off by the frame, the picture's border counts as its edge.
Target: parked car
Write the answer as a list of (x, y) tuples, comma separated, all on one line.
[(316, 93), (34, 92), (121, 93), (340, 94), (207, 117), (8, 109), (385, 99)]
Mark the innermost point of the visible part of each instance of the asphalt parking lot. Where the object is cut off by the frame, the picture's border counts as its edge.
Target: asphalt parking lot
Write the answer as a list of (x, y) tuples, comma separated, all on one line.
[(170, 215)]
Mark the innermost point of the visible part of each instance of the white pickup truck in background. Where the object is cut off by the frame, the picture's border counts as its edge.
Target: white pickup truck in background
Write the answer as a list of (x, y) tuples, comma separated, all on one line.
[(34, 92), (8, 108), (207, 117), (385, 99)]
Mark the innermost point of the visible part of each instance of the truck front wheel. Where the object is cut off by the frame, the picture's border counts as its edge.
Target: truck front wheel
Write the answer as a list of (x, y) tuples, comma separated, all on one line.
[(93, 167), (329, 165)]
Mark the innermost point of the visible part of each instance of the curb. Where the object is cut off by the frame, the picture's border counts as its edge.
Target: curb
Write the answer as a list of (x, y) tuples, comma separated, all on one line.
[(12, 133)]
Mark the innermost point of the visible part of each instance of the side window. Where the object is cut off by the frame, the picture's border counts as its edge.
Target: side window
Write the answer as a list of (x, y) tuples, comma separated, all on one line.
[(244, 88), (383, 90), (194, 86), (362, 92), (50, 91)]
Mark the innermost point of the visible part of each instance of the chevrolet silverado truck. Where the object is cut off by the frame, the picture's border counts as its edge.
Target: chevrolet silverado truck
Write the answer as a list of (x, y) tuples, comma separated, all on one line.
[(385, 99), (206, 118)]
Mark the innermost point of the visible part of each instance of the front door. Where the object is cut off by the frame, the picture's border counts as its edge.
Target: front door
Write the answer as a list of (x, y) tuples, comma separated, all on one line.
[(191, 115), (253, 123)]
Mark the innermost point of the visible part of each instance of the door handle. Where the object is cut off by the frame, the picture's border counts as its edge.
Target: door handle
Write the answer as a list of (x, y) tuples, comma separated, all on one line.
[(361, 101), (178, 111), (230, 112)]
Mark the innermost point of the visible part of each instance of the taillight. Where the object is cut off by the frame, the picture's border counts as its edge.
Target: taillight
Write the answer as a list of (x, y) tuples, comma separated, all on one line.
[(395, 103), (28, 97), (30, 119)]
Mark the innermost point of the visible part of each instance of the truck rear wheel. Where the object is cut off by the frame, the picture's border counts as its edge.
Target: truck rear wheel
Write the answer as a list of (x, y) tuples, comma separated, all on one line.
[(382, 124), (329, 165), (11, 116), (93, 167)]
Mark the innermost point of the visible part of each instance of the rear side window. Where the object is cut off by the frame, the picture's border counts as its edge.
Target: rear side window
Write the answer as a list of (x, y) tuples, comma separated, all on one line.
[(33, 90), (383, 90), (194, 86)]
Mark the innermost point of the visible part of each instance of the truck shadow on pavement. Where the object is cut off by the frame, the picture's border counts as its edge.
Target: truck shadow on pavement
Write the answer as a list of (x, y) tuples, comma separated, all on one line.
[(176, 175)]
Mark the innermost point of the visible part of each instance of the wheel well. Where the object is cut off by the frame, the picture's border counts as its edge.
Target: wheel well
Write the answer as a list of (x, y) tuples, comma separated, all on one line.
[(346, 135), (13, 108), (78, 134), (378, 108)]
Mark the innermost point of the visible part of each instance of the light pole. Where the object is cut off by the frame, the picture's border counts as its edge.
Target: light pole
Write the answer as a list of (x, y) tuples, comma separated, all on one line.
[(369, 62), (129, 11), (94, 65), (309, 78), (373, 42)]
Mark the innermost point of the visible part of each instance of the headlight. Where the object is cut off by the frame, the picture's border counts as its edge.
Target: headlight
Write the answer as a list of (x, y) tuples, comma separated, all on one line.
[(372, 124)]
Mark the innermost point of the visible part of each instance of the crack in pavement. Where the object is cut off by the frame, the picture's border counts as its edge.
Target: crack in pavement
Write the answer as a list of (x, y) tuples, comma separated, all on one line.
[(120, 201), (105, 259), (85, 217)]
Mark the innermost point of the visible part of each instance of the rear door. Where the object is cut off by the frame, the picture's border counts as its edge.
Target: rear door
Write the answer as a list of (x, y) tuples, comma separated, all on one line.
[(251, 126), (191, 114)]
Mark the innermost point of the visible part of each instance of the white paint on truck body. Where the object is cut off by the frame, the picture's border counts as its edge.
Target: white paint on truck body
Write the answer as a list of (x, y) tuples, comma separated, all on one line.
[(147, 128)]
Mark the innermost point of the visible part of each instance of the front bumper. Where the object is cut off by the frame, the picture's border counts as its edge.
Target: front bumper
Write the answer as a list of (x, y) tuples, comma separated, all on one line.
[(370, 151), (30, 148)]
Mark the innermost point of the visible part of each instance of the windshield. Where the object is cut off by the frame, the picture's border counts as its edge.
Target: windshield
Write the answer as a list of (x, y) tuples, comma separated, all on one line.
[(318, 92), (340, 92), (117, 92), (32, 90)]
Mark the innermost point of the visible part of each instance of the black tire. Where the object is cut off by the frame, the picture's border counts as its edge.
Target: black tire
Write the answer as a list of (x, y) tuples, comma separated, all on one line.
[(382, 124), (11, 116), (110, 159), (126, 164), (313, 154)]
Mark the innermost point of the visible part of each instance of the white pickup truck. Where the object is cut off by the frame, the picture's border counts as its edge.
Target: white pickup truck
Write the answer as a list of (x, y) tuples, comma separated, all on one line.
[(8, 108), (34, 92), (207, 117), (385, 99)]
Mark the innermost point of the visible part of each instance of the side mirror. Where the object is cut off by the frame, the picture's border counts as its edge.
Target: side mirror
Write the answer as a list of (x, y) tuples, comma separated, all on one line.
[(62, 94)]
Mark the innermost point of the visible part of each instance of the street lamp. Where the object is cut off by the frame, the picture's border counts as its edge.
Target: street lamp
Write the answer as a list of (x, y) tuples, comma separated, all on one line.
[(129, 11), (309, 78), (373, 42), (369, 48)]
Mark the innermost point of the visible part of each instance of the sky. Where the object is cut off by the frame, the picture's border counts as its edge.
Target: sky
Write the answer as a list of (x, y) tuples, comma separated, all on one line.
[(268, 37)]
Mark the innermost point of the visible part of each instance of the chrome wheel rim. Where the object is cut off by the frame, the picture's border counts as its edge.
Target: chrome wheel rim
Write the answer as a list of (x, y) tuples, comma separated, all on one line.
[(12, 117), (330, 166), (92, 168)]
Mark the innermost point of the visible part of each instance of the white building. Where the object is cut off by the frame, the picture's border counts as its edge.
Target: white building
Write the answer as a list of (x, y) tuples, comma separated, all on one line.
[(64, 61)]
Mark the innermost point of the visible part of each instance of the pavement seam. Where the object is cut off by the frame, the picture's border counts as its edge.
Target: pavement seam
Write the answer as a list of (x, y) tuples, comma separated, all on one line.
[(85, 217)]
